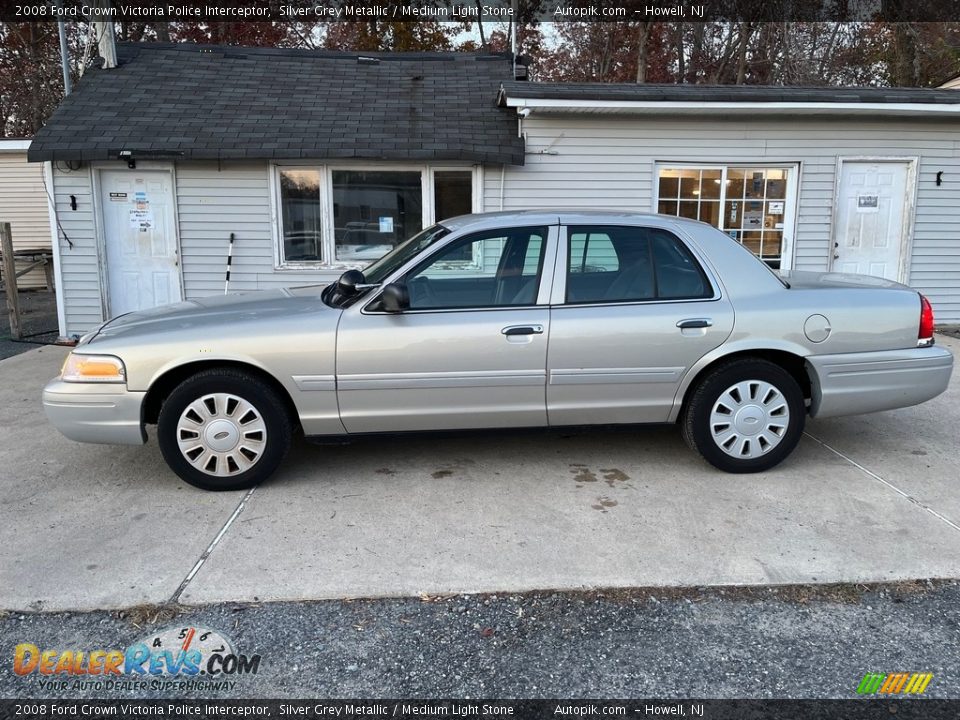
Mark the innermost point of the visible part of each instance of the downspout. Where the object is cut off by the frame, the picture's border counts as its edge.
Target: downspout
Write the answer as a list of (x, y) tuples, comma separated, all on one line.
[(503, 176)]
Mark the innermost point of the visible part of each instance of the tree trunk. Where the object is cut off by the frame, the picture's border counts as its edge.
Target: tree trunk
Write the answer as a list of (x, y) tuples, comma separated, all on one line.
[(742, 53), (678, 44), (642, 52), (483, 37)]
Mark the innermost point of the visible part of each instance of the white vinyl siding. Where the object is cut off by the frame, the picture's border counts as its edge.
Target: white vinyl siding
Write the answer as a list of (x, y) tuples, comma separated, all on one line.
[(573, 161), (80, 264), (212, 202), (609, 161), (23, 204)]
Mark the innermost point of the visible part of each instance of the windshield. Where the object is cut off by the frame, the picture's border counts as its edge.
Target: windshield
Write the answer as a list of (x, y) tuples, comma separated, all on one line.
[(383, 267)]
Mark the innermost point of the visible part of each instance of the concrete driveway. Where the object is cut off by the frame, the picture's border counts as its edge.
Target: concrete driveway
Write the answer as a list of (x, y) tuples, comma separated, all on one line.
[(868, 498)]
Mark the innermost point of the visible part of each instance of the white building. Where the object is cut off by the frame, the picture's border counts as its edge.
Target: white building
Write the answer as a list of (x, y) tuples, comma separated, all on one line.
[(319, 161)]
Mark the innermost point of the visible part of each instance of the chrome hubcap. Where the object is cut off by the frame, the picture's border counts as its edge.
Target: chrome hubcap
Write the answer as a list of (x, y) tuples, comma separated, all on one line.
[(221, 434), (749, 419)]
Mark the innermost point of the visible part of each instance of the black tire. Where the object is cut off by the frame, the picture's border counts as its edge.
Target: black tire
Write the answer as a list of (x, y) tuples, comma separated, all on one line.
[(695, 422), (272, 425)]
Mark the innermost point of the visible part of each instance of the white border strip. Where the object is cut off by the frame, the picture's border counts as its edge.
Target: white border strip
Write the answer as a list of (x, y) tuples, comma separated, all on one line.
[(728, 106), (175, 598), (890, 485), (55, 246), (14, 145)]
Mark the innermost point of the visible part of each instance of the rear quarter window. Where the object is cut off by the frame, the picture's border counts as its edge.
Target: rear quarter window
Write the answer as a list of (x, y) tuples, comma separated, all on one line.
[(679, 275)]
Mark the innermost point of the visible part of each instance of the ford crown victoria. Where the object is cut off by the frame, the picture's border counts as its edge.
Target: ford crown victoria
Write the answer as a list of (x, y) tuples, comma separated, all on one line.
[(508, 320)]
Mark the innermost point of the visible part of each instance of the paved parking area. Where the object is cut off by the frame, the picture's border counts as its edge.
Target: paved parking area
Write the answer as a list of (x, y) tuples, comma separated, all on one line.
[(869, 498)]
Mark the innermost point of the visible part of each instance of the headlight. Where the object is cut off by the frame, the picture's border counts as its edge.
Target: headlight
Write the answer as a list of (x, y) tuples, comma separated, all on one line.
[(93, 368)]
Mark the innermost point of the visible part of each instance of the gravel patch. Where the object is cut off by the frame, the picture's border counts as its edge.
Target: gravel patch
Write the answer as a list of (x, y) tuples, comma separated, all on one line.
[(790, 642)]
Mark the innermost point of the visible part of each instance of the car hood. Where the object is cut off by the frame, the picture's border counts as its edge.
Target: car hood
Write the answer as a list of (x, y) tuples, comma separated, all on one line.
[(218, 310), (806, 280)]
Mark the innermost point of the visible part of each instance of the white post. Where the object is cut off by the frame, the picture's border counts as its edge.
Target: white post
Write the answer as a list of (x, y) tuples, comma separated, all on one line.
[(226, 282)]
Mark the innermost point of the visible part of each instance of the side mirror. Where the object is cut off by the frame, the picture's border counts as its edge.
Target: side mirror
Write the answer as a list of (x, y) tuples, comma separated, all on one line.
[(395, 298), (348, 282)]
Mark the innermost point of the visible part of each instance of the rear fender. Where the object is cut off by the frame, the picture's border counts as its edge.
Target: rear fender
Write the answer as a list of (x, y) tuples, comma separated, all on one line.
[(729, 349)]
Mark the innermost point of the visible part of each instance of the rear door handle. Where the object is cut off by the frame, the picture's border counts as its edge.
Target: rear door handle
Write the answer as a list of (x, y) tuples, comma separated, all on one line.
[(695, 323), (522, 330)]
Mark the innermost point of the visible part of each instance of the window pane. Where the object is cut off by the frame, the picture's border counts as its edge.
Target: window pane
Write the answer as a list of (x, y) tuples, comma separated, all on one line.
[(374, 210), (667, 207), (710, 184), (300, 213), (616, 266), (678, 273), (734, 215), (710, 212), (689, 209), (689, 184), (736, 177), (531, 262), (776, 184), (669, 184), (452, 196), (754, 183), (751, 241), (507, 272), (452, 193), (772, 244)]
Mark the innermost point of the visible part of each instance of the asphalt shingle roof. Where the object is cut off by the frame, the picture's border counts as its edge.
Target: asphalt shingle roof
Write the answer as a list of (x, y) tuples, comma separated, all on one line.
[(212, 102), (724, 93)]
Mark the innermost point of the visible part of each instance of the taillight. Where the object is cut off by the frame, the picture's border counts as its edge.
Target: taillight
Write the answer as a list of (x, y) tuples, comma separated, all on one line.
[(925, 336)]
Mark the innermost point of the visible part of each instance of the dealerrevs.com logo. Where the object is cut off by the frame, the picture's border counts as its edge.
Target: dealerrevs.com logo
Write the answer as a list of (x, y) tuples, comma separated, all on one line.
[(174, 658)]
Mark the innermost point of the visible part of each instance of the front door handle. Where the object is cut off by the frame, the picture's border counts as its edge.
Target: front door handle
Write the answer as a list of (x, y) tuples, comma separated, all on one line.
[(691, 323), (522, 330)]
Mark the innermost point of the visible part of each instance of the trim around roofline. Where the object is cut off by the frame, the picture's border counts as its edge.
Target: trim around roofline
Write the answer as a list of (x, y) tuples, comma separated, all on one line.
[(18, 145), (647, 107)]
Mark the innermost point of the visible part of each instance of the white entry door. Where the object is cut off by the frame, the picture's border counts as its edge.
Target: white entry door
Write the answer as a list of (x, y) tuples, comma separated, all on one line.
[(140, 237), (871, 215)]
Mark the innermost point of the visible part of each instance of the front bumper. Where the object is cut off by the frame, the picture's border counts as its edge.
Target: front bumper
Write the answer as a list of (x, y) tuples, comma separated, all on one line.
[(856, 383), (95, 413)]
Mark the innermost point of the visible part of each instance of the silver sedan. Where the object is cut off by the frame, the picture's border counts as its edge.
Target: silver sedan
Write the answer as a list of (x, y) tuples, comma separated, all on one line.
[(504, 320)]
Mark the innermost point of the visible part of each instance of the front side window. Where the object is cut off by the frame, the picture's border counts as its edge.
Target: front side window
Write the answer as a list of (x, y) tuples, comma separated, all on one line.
[(509, 274), (747, 203), (631, 264)]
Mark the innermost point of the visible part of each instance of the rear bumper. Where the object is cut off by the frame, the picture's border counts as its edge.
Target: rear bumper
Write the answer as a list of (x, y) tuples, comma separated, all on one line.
[(95, 413), (855, 383)]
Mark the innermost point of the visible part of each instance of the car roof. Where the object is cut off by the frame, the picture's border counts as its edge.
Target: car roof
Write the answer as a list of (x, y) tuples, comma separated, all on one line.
[(553, 217)]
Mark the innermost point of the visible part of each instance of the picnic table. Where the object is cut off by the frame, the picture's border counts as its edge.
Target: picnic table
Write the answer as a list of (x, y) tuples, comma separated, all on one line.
[(34, 258)]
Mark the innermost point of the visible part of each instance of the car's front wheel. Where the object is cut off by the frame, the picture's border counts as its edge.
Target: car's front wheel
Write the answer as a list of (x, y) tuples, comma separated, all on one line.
[(745, 416), (223, 429)]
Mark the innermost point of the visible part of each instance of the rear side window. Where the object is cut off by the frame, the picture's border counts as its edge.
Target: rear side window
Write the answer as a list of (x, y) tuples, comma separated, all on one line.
[(592, 252), (629, 264), (679, 275)]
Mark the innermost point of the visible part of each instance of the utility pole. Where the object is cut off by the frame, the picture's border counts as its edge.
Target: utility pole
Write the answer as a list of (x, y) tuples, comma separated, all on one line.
[(64, 53)]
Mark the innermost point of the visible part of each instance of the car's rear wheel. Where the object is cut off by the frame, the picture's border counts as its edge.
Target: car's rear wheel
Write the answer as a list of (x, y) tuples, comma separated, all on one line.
[(223, 429), (745, 416)]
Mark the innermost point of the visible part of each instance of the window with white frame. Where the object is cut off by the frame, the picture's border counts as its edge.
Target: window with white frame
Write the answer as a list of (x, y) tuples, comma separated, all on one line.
[(355, 215), (750, 204)]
